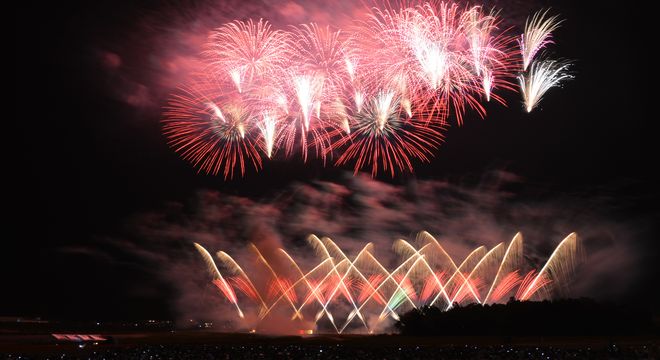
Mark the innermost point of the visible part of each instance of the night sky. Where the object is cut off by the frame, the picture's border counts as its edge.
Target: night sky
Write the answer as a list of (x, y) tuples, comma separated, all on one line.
[(88, 155)]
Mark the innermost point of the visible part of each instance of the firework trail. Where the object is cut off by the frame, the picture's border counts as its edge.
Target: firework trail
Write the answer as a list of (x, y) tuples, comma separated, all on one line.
[(541, 77), (537, 34), (469, 285), (218, 280), (267, 127), (246, 284), (560, 265), (376, 97), (510, 262), (530, 284), (508, 282), (363, 288)]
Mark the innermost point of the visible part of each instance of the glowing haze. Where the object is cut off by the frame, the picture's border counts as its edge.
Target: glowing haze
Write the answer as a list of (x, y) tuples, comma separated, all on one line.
[(355, 211), (376, 95)]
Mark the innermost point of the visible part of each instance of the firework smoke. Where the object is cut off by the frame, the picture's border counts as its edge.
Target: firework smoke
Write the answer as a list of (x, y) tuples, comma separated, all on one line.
[(358, 210)]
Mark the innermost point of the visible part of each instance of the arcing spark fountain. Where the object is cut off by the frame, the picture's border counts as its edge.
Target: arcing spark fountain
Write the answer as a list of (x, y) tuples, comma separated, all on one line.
[(359, 293)]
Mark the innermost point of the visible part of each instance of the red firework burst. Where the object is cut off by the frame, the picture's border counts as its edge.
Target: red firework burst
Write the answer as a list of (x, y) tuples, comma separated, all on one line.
[(383, 137), (211, 129), (377, 97)]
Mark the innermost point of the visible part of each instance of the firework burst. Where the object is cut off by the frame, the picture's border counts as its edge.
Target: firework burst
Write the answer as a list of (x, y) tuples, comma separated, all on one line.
[(377, 96), (383, 137), (247, 52), (538, 34), (210, 129), (541, 77), (452, 56)]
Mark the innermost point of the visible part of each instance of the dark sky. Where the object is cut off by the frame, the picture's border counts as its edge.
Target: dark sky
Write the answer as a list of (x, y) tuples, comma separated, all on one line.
[(82, 160)]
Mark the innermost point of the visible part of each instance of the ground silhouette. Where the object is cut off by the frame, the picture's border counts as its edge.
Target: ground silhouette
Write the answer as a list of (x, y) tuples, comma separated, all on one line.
[(528, 318)]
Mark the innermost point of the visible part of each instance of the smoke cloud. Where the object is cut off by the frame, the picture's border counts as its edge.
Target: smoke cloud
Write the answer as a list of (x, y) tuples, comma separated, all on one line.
[(357, 210)]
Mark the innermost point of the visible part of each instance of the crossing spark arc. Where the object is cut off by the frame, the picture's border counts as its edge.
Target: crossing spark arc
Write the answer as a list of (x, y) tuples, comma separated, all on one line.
[(359, 293)]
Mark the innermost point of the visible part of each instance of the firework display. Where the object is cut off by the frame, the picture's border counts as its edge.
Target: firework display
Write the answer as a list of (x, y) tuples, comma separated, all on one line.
[(376, 97), (360, 291), (540, 78), (538, 34)]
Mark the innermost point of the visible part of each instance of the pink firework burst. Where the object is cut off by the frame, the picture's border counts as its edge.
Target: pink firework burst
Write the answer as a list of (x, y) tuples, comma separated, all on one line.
[(247, 52), (377, 96), (383, 137), (440, 53), (211, 129)]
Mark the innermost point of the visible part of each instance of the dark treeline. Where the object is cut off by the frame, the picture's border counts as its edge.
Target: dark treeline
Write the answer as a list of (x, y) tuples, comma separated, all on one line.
[(529, 318)]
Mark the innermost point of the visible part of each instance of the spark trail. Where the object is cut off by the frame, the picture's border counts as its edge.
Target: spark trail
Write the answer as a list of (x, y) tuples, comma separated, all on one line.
[(363, 288)]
